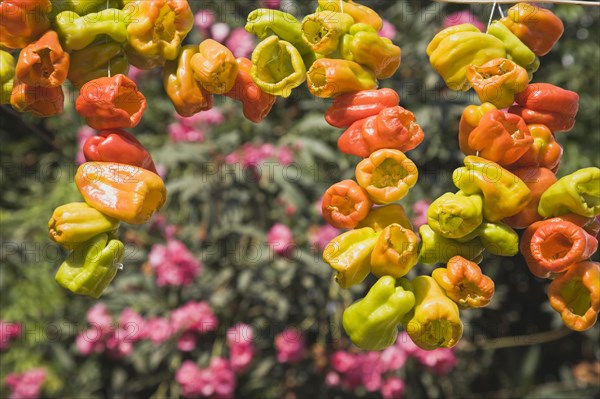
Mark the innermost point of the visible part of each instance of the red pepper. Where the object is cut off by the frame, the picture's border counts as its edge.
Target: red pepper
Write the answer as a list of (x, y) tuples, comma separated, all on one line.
[(545, 152), (40, 101), (345, 204), (43, 62), (118, 146), (23, 21), (349, 108)]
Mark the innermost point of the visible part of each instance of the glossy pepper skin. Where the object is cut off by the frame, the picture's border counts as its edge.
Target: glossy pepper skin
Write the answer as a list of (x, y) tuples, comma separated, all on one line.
[(185, 92), (382, 216), (504, 194), (501, 137), (124, 192), (345, 204), (214, 67), (464, 283), (577, 193), (90, 268), (470, 119), (372, 322), (537, 27), (23, 21), (545, 152), (43, 62), (547, 104), (328, 77), (88, 6), (277, 67), (75, 223), (363, 45), (497, 81), (455, 216), (393, 128), (93, 61), (111, 103), (576, 295), (436, 248), (387, 175), (77, 32), (360, 13), (434, 322), (40, 101), (396, 252), (497, 238), (256, 103), (7, 76), (323, 31), (352, 107), (516, 50), (349, 255), (118, 146)]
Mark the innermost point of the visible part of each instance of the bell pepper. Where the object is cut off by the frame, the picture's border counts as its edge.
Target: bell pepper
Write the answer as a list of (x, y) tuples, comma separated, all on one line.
[(328, 77), (434, 322), (77, 32), (537, 27), (576, 295), (214, 67), (387, 175), (75, 223), (436, 248), (84, 7), (95, 60), (124, 192), (90, 268), (22, 22), (545, 152), (111, 103), (117, 146), (464, 283), (40, 101), (447, 32), (537, 180), (504, 194), (497, 238), (349, 108), (497, 81), (185, 92), (547, 104), (577, 193), (363, 45), (382, 216), (455, 216), (7, 76), (349, 254), (277, 67), (323, 30), (43, 62), (470, 119), (345, 204), (372, 322), (358, 12), (393, 128), (500, 137), (396, 252), (516, 50), (156, 30)]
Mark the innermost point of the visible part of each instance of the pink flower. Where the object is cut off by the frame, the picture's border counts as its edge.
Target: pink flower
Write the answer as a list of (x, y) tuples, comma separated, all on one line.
[(332, 379), (181, 133), (273, 4), (174, 264), (290, 346), (187, 342), (193, 381), (219, 31), (240, 42), (26, 385), (285, 156), (84, 133), (406, 343), (133, 324), (393, 388), (159, 330), (342, 362), (118, 344), (371, 369), (136, 74), (99, 318), (280, 239), (224, 381), (194, 316), (388, 30), (440, 361), (393, 358), (240, 334), (204, 19), (210, 117), (462, 17), (8, 331), (322, 236), (90, 341), (240, 356), (419, 209)]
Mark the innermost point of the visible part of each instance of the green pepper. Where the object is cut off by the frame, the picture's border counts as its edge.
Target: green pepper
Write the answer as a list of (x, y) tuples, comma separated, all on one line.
[(84, 7), (77, 32), (93, 62), (90, 268), (372, 322), (436, 248), (7, 75), (577, 193), (455, 216), (497, 238), (516, 50), (323, 30)]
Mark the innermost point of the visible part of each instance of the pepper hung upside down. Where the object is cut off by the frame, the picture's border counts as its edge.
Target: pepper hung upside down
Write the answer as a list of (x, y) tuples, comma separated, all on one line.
[(324, 30), (497, 81), (77, 32), (455, 216), (545, 152), (328, 77), (92, 62), (349, 108), (214, 67), (497, 238), (43, 62), (360, 13), (22, 22), (577, 193), (396, 252), (470, 119), (436, 248), (40, 101), (345, 204), (516, 50), (382, 216)]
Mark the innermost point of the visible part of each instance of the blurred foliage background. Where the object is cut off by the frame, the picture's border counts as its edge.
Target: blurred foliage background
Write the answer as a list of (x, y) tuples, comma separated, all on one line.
[(223, 211)]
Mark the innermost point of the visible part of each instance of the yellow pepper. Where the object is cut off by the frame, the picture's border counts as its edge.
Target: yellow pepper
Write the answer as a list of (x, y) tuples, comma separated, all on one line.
[(329, 77), (381, 217), (324, 30), (214, 67), (359, 12), (455, 216), (396, 252)]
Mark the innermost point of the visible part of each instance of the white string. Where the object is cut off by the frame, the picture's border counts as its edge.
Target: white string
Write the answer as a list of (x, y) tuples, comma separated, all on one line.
[(501, 12), (109, 74), (341, 6), (492, 15)]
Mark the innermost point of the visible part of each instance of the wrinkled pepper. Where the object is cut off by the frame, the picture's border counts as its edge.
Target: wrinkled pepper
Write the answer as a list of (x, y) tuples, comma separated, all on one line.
[(497, 238), (22, 22), (464, 283), (359, 12), (387, 175), (547, 104), (94, 62), (43, 62), (214, 67), (77, 32), (256, 103), (328, 77), (393, 128), (516, 50), (434, 322), (455, 216), (111, 103), (396, 252), (500, 137), (345, 204), (125, 192), (75, 223), (277, 67), (537, 27), (323, 30), (576, 295), (90, 268), (363, 45), (7, 76), (349, 108), (469, 120), (577, 193), (372, 322), (504, 194), (382, 216), (349, 254), (118, 146), (84, 7), (497, 81), (185, 92), (436, 248), (545, 152), (40, 101)]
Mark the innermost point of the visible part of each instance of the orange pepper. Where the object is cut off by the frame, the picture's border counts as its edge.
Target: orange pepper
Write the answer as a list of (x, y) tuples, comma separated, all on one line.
[(43, 62), (23, 21), (328, 78), (345, 204), (497, 81), (469, 120), (214, 67), (40, 101), (545, 152), (395, 253)]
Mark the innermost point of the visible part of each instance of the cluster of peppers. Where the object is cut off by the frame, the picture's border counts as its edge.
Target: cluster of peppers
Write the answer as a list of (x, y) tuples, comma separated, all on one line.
[(512, 156)]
